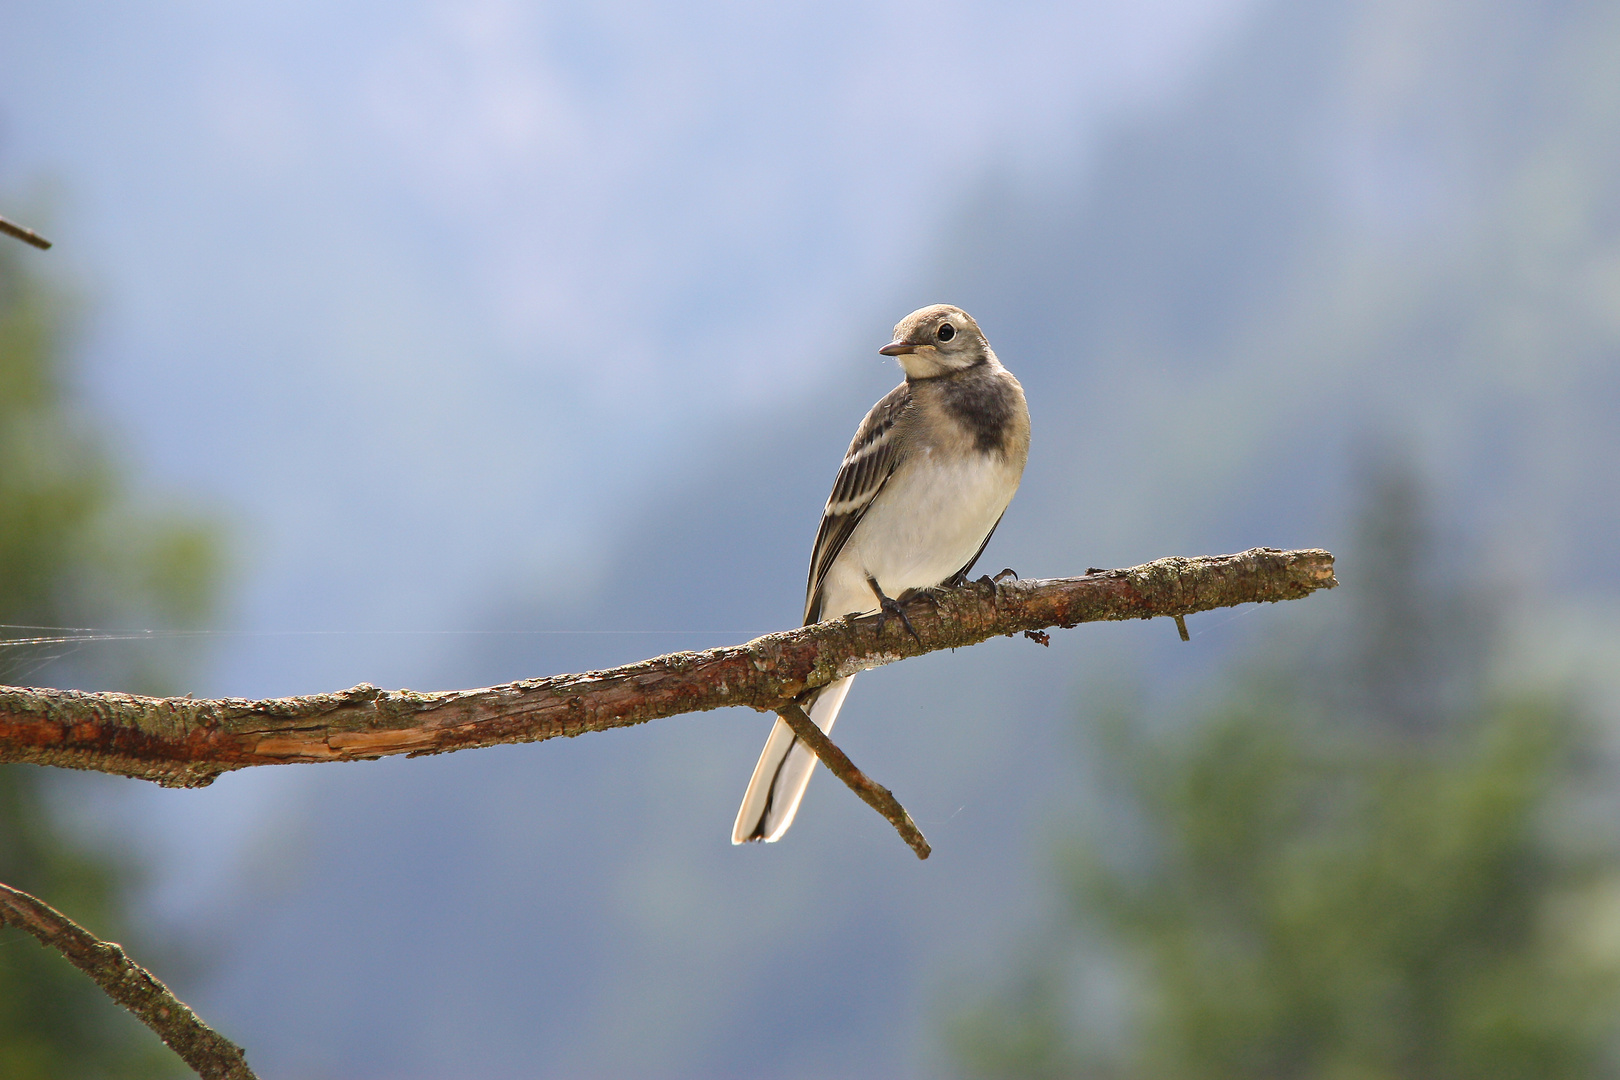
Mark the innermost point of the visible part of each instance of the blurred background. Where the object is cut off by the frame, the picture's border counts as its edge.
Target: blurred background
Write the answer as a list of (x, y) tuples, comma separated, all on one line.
[(439, 344)]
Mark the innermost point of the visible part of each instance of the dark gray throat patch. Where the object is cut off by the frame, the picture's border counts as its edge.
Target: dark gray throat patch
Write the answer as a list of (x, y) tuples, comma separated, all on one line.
[(984, 406)]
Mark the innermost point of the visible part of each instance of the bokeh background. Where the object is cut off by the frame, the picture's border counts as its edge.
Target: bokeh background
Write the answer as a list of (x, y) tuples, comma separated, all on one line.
[(437, 344)]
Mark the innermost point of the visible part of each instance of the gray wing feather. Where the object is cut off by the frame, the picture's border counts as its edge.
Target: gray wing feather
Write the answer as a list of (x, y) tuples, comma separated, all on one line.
[(872, 457)]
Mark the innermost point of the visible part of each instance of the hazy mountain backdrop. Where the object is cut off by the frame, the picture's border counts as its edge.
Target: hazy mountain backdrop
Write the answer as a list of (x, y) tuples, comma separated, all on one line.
[(1364, 230)]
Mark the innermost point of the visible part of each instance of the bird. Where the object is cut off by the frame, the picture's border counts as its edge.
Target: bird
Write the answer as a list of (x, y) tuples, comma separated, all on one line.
[(923, 486)]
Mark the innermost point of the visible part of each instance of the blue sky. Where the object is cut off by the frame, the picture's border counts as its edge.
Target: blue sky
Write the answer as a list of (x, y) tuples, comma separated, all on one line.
[(426, 300), (359, 272)]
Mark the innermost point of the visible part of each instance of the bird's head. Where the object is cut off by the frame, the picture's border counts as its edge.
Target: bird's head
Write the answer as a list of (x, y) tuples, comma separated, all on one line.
[(938, 340)]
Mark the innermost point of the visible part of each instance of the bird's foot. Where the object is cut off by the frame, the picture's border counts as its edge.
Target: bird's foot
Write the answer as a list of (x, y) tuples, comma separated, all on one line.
[(994, 583), (888, 606)]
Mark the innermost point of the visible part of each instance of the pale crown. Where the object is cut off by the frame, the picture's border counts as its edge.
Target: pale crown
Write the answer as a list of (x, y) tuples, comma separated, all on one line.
[(938, 340)]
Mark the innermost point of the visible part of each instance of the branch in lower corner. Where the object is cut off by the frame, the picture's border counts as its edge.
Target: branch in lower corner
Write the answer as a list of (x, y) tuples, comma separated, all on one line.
[(872, 793), (210, 1055)]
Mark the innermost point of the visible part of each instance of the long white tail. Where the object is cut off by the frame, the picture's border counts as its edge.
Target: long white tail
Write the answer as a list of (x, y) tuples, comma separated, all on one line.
[(784, 770)]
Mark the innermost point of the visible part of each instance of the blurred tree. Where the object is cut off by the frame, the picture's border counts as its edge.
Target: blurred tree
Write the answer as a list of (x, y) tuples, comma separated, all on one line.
[(74, 551), (1358, 863)]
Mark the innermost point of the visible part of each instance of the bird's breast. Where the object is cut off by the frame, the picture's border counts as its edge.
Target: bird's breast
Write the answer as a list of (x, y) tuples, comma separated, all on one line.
[(931, 518)]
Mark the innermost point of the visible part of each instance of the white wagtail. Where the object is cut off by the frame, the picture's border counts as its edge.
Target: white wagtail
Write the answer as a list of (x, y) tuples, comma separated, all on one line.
[(924, 484)]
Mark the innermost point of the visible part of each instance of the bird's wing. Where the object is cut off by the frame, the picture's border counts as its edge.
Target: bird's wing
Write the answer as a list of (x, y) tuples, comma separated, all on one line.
[(871, 460)]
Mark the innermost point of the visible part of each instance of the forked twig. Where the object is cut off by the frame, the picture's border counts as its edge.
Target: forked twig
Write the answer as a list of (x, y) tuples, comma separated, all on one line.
[(872, 793)]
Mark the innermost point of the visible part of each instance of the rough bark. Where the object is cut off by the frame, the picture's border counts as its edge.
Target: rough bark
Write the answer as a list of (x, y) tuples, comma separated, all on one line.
[(181, 742), (210, 1054)]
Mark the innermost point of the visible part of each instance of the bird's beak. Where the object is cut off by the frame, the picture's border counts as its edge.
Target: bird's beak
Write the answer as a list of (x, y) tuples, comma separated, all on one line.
[(898, 348)]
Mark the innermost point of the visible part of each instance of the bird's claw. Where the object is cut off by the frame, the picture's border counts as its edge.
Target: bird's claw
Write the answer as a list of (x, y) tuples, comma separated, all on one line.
[(888, 606), (994, 583)]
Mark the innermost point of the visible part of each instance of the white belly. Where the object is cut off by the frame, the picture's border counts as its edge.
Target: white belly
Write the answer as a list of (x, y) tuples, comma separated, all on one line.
[(927, 522)]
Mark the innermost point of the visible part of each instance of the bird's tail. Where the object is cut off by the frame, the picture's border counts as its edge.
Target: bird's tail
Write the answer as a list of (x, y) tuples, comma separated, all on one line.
[(784, 769)]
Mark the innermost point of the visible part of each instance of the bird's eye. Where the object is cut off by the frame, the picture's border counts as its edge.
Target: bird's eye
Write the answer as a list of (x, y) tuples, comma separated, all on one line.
[(946, 331)]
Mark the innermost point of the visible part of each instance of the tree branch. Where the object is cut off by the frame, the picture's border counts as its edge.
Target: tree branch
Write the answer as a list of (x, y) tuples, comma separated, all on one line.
[(180, 742), (872, 793), (210, 1054), (26, 235)]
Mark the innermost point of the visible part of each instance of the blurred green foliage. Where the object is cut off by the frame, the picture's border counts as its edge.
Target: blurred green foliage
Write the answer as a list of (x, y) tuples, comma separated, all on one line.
[(1361, 861), (55, 1024), (77, 546), (75, 550)]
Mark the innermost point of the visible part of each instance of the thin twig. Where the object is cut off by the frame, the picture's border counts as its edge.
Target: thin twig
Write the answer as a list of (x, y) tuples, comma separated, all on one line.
[(184, 742), (27, 236), (872, 793), (210, 1054)]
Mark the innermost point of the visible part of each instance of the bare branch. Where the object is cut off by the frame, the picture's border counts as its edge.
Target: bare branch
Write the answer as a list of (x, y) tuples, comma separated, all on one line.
[(181, 742), (27, 236), (210, 1054), (872, 793)]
